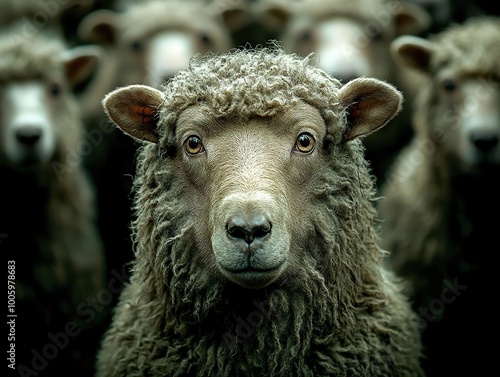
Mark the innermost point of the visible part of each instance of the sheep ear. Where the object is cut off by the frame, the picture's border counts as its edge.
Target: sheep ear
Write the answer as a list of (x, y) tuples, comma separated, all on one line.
[(81, 62), (235, 18), (411, 18), (134, 109), (274, 14), (412, 52), (369, 105), (98, 27)]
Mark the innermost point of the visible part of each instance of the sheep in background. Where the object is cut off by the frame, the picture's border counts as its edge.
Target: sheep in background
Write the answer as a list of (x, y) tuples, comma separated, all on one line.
[(47, 205), (149, 41), (352, 39), (440, 203), (146, 42), (254, 241)]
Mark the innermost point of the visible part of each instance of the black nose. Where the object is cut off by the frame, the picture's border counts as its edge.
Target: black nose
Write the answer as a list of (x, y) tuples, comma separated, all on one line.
[(484, 141), (248, 229), (28, 135)]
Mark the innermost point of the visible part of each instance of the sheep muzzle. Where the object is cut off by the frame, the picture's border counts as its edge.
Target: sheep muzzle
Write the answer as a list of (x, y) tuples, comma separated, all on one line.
[(250, 242)]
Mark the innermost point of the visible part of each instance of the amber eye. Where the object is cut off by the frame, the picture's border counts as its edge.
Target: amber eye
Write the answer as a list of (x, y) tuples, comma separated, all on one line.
[(305, 143), (448, 85), (193, 145)]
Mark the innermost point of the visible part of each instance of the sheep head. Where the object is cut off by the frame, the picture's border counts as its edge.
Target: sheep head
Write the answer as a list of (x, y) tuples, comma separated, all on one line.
[(458, 105), (36, 96), (349, 39), (249, 181)]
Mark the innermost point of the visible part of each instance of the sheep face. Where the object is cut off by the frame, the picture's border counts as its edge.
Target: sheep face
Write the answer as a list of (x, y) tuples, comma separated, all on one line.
[(34, 99), (153, 41), (249, 178), (28, 137), (349, 40), (468, 119), (459, 106)]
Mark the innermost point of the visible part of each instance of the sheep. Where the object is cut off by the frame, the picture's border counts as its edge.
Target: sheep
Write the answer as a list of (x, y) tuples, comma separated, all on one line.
[(151, 52), (352, 39), (48, 210), (440, 200), (255, 252)]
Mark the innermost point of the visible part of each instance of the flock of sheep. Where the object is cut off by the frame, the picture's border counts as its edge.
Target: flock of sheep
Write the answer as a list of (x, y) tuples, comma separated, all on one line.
[(249, 187)]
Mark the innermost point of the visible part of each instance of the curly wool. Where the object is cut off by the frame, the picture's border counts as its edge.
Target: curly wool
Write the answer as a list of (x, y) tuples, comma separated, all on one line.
[(337, 313), (17, 51), (228, 83), (457, 52)]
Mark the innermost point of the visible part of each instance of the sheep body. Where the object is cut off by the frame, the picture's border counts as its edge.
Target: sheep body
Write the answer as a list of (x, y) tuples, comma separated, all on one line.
[(311, 297), (436, 203), (47, 204)]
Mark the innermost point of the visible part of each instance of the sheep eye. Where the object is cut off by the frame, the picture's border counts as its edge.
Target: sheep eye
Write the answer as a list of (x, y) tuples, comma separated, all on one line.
[(305, 143), (449, 85), (54, 89), (136, 46), (305, 36), (205, 39), (376, 35), (193, 145)]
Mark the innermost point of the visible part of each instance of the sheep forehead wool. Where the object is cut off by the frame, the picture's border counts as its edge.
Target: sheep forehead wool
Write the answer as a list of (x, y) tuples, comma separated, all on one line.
[(21, 61), (249, 83), (458, 50)]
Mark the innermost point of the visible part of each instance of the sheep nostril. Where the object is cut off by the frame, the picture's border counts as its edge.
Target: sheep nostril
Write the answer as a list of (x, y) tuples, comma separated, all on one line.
[(250, 229), (29, 135), (484, 141)]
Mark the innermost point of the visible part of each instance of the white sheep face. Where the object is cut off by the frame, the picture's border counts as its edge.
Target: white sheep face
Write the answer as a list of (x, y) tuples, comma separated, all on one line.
[(343, 46), (459, 105), (349, 39), (28, 135), (469, 108)]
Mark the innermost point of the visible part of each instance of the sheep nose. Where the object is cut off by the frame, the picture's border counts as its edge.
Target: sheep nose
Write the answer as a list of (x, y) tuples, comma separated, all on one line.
[(484, 141), (248, 229), (28, 135)]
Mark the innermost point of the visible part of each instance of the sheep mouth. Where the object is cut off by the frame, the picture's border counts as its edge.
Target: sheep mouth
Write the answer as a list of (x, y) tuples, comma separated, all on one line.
[(250, 270), (251, 277)]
